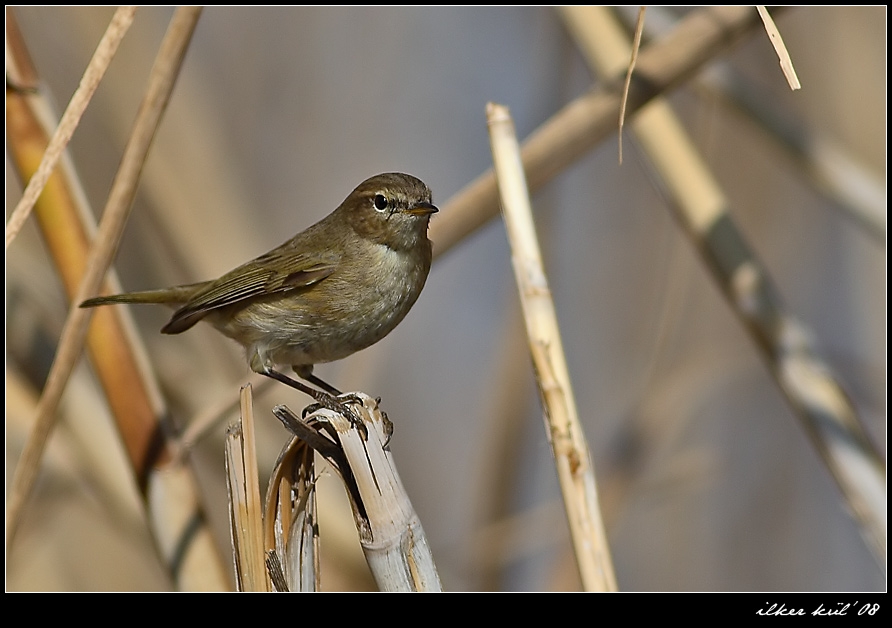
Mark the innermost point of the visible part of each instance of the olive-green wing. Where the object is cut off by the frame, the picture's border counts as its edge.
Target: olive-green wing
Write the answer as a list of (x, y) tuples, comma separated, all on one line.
[(276, 272)]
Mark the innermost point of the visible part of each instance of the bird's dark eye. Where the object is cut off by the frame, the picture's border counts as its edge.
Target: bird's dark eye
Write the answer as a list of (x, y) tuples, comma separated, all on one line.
[(380, 202)]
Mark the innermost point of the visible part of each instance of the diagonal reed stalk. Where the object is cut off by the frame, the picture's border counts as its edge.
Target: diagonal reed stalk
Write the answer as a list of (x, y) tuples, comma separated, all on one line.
[(586, 121), (829, 167), (168, 488), (102, 58)]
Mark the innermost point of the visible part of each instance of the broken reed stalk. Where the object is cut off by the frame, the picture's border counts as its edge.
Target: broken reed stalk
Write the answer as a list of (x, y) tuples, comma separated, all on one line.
[(274, 541), (245, 505), (572, 458), (291, 528), (175, 514), (390, 532), (700, 204)]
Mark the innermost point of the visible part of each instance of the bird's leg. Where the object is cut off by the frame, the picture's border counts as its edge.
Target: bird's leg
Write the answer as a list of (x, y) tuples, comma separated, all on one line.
[(327, 400), (323, 398), (305, 372), (321, 383)]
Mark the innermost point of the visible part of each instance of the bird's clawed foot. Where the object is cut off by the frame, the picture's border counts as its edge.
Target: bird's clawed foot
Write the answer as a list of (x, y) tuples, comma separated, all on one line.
[(341, 404), (331, 399)]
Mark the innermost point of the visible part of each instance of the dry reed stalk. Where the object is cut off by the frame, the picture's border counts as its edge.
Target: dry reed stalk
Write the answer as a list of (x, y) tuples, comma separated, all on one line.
[(245, 505), (572, 458), (291, 528), (390, 532), (636, 45), (274, 541), (702, 208), (170, 490), (828, 165), (586, 121), (105, 52), (777, 41)]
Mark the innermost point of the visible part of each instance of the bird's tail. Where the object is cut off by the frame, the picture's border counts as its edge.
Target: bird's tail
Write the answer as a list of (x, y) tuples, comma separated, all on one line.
[(170, 296)]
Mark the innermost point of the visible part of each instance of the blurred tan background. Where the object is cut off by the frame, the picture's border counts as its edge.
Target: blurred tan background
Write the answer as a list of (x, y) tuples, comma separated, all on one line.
[(707, 480)]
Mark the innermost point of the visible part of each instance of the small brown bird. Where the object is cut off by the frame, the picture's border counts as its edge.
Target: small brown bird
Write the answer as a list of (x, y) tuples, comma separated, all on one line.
[(334, 289)]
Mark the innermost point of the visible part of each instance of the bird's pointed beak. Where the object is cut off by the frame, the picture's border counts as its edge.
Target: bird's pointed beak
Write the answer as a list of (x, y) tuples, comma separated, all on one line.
[(422, 209)]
